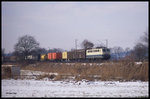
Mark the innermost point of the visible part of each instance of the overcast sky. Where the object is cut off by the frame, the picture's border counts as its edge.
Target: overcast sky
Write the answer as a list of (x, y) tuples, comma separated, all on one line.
[(58, 24)]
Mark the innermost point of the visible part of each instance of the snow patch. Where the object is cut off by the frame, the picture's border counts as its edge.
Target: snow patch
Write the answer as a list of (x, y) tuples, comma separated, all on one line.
[(84, 88), (138, 63)]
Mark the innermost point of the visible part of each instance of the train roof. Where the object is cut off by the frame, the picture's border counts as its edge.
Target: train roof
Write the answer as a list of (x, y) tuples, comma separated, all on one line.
[(101, 47)]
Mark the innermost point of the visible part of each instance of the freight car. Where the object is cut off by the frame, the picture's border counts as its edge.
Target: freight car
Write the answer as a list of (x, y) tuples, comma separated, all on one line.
[(55, 56), (77, 55)]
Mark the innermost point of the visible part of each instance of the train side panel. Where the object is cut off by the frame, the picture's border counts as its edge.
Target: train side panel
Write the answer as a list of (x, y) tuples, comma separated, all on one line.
[(58, 56), (49, 56), (70, 55), (80, 54), (94, 53), (53, 56), (76, 55)]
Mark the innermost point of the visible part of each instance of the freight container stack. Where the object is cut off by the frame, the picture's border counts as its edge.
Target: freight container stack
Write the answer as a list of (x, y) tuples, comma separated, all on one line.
[(53, 56), (64, 55), (43, 57), (49, 56)]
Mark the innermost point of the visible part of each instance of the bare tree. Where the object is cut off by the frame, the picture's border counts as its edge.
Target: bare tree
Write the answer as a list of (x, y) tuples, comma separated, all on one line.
[(3, 54), (25, 45), (41, 50), (86, 44), (127, 51), (140, 50), (117, 51), (3, 51), (145, 38)]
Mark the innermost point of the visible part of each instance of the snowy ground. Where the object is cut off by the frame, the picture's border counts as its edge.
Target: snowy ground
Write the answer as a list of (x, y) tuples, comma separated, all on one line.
[(42, 88)]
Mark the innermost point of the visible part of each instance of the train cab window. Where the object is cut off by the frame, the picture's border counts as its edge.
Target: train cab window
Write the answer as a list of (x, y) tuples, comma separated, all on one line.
[(89, 51), (96, 50), (108, 50), (104, 50)]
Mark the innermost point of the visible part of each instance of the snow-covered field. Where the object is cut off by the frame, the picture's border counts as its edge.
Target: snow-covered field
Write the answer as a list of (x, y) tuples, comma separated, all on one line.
[(45, 88)]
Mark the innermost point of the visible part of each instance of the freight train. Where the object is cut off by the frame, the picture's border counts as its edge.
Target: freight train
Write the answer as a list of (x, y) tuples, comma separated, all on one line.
[(101, 53)]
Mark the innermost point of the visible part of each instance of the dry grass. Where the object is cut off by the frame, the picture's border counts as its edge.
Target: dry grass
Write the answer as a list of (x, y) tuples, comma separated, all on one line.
[(6, 72), (123, 70), (46, 76)]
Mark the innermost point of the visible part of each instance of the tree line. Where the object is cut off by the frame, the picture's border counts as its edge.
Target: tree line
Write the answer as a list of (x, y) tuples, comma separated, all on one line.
[(28, 45)]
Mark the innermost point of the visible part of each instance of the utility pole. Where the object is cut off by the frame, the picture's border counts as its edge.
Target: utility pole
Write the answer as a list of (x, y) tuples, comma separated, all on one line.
[(76, 48), (106, 43), (76, 44)]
